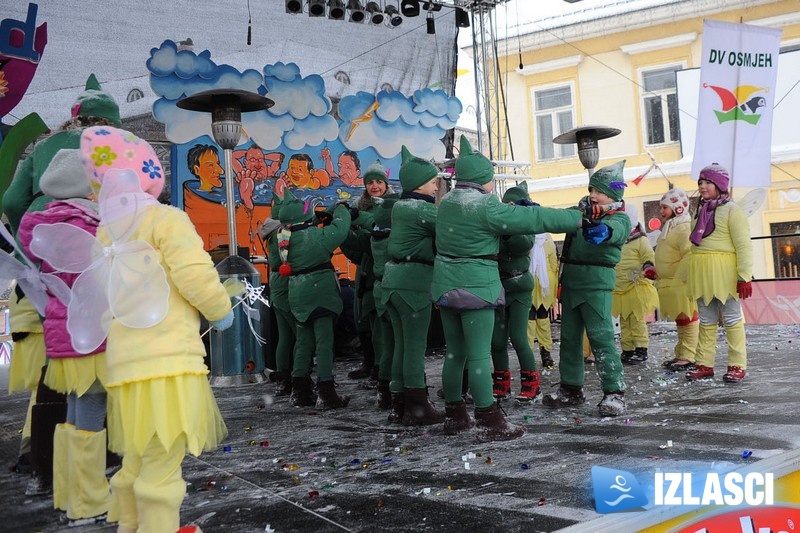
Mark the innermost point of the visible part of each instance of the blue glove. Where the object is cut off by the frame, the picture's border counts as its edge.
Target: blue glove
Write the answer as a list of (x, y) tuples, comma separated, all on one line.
[(596, 232), (224, 322)]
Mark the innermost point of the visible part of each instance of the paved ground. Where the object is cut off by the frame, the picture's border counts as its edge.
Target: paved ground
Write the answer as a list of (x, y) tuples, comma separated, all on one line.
[(293, 469)]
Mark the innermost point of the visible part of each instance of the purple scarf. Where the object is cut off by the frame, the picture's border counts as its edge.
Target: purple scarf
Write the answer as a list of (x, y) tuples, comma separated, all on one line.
[(705, 218)]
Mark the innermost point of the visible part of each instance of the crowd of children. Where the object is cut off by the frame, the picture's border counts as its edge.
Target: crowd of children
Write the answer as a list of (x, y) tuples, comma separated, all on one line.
[(488, 264)]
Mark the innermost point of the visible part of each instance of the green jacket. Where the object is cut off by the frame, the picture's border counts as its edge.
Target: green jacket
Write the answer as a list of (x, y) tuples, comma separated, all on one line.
[(468, 228), (412, 250), (514, 261), (310, 249), (590, 267)]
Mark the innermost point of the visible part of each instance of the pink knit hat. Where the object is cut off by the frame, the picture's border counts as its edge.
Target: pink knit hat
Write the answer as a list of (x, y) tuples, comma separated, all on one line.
[(676, 200), (716, 174), (104, 148)]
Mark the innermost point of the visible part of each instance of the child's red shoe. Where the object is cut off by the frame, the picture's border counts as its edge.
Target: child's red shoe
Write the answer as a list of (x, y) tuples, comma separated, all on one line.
[(700, 372), (190, 529), (735, 374)]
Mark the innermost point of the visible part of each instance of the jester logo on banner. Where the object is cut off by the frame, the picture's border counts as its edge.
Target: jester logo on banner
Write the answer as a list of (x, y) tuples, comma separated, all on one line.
[(743, 103), (21, 48)]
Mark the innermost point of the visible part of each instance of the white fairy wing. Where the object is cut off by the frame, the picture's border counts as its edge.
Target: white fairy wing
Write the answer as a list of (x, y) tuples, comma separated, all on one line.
[(138, 290), (121, 200), (88, 313), (66, 247)]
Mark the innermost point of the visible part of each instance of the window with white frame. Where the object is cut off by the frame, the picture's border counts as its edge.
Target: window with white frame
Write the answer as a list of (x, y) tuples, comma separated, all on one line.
[(660, 105), (553, 115)]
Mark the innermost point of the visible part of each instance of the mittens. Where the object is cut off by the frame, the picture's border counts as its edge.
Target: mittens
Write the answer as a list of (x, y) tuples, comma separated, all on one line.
[(745, 289), (224, 322)]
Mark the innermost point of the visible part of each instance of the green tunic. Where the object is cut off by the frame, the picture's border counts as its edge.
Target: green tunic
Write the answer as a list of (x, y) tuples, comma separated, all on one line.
[(312, 287)]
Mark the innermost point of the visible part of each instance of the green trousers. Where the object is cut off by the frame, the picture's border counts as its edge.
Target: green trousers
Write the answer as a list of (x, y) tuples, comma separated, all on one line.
[(383, 342), (579, 315), (314, 338), (511, 322), (287, 326), (410, 341), (468, 336)]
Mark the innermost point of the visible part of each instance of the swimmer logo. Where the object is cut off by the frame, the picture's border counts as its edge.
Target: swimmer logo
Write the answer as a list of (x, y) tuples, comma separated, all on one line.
[(616, 490)]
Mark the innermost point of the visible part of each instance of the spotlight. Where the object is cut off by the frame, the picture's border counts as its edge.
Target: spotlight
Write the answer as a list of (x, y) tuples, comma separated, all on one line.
[(294, 6), (462, 18), (394, 17), (374, 10), (335, 10), (430, 23), (316, 8), (430, 6), (409, 8), (357, 13)]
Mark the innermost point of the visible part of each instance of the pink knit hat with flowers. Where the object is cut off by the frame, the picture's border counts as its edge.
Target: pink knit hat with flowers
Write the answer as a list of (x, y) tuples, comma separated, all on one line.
[(716, 174), (104, 148)]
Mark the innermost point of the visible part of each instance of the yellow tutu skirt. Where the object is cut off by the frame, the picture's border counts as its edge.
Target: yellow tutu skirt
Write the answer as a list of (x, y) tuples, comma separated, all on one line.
[(712, 275), (674, 299), (164, 408), (640, 300), (27, 360), (76, 374)]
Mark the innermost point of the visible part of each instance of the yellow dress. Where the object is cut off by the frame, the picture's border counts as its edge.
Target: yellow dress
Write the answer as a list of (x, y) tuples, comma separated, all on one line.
[(722, 258), (549, 299), (671, 251), (157, 384), (28, 356), (633, 293)]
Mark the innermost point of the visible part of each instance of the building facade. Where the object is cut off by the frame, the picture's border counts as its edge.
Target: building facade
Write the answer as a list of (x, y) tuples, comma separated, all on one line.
[(620, 66)]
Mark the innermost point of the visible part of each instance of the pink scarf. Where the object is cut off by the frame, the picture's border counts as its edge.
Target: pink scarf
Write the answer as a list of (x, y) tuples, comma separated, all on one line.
[(705, 218)]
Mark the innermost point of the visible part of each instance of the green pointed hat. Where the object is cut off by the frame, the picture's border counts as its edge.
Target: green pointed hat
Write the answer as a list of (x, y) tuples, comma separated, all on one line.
[(415, 171), (94, 102), (518, 192), (610, 180), (294, 210), (376, 172), (473, 166), (277, 202)]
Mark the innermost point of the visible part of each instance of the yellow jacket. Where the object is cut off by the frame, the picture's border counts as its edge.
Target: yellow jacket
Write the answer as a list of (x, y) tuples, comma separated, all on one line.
[(551, 256), (633, 293), (173, 347), (672, 251)]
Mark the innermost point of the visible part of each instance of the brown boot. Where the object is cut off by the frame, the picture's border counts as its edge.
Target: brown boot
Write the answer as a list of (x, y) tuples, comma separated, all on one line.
[(384, 395), (418, 409), (327, 397), (398, 407), (283, 383), (302, 392), (457, 418), (494, 425)]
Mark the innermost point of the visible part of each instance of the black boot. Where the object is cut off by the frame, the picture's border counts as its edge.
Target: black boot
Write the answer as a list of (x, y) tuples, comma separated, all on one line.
[(626, 357), (639, 355), (383, 398), (398, 407), (457, 418), (494, 425), (547, 359), (302, 392), (327, 397), (283, 383), (368, 361), (44, 418), (372, 380), (418, 409)]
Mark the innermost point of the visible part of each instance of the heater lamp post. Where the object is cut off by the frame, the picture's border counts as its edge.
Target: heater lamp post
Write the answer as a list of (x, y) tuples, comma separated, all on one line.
[(226, 107), (236, 357), (586, 138)]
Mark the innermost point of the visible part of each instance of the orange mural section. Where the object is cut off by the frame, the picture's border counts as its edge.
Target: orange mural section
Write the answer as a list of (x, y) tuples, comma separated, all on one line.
[(210, 219)]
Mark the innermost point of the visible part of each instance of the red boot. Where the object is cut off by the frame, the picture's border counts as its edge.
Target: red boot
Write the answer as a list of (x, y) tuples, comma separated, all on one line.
[(700, 372), (530, 386), (501, 384), (735, 374)]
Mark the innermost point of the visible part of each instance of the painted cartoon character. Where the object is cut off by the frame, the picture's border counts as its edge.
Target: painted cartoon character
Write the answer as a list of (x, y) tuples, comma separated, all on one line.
[(253, 165), (349, 167), (302, 175), (203, 161)]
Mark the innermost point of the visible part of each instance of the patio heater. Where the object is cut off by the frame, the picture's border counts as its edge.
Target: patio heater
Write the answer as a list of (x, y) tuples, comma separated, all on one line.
[(586, 138), (236, 356)]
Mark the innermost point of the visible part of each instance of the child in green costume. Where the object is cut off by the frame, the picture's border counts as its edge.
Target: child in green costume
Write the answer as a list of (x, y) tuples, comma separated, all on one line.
[(306, 252), (511, 321), (466, 284), (407, 286), (587, 282)]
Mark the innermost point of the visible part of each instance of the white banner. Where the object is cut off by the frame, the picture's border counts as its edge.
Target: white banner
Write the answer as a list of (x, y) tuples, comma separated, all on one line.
[(738, 76)]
